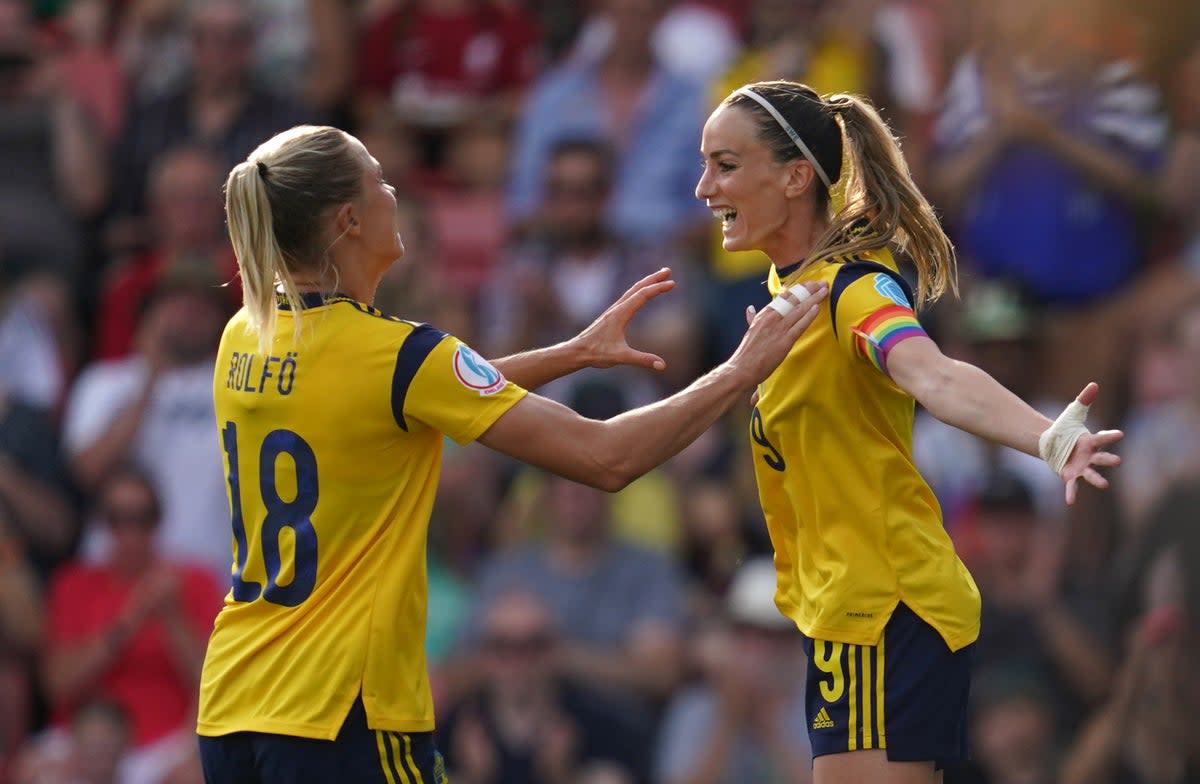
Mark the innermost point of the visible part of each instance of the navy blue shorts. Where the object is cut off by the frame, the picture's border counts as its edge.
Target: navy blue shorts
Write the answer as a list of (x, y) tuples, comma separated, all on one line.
[(907, 695), (358, 754)]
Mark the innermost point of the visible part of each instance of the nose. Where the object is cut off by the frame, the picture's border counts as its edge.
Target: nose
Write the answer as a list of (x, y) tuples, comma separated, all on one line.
[(704, 188)]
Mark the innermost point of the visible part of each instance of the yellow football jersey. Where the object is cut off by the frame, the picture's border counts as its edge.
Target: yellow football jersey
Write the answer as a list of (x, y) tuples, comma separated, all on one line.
[(854, 526), (332, 449)]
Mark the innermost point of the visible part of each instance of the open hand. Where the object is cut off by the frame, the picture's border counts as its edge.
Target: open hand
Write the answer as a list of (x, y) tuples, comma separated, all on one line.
[(1090, 452), (771, 336), (604, 343)]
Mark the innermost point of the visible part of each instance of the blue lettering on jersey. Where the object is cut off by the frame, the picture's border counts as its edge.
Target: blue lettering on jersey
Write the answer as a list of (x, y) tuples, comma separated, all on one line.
[(475, 372), (241, 370), (758, 434), (891, 289)]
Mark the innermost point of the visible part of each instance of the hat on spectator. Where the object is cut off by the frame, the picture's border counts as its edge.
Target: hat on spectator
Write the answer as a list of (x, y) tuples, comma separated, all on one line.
[(751, 598)]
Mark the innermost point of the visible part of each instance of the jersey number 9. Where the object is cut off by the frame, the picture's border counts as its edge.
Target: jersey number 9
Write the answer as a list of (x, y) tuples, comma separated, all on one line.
[(295, 514)]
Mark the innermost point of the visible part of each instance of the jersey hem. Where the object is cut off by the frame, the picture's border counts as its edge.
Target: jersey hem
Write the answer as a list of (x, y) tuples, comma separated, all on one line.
[(955, 642)]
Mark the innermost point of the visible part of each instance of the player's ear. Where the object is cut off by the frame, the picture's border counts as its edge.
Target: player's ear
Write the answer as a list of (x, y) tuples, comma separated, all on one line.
[(346, 220), (799, 173)]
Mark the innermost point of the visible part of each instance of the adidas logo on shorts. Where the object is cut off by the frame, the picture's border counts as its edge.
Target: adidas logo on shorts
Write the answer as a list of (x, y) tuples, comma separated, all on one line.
[(822, 721)]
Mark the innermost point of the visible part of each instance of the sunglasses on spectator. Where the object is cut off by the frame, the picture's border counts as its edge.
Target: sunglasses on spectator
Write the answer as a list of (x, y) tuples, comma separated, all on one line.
[(518, 644)]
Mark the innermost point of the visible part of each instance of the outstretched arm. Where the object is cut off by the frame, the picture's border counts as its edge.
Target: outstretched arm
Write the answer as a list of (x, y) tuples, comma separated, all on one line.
[(962, 395), (612, 453), (601, 345)]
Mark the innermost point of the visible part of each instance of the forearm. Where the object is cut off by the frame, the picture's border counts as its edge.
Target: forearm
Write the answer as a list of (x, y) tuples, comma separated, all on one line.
[(91, 464), (21, 619), (80, 162), (1081, 660), (966, 397), (72, 671), (1104, 169), (186, 649), (532, 369), (622, 669), (43, 515), (1094, 755)]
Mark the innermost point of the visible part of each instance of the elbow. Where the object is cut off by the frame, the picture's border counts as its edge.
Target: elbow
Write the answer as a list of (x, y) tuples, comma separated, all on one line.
[(612, 480)]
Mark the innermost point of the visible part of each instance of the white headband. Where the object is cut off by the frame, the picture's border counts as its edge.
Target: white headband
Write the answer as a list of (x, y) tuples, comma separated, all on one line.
[(789, 130)]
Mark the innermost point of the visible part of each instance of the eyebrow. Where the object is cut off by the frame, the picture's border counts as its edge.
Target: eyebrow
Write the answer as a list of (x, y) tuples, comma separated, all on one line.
[(718, 153)]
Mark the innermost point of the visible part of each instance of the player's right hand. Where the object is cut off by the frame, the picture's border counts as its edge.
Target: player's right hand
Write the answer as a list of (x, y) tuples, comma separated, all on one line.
[(771, 335)]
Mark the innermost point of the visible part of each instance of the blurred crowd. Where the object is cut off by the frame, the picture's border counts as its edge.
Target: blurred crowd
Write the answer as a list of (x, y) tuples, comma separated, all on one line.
[(545, 155)]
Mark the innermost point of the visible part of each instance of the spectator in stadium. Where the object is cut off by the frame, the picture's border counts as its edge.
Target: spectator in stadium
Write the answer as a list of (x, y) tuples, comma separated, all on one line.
[(627, 100), (219, 105), (1031, 619), (864, 560), (1164, 440), (619, 607), (131, 629), (526, 724), (443, 63), (188, 235), (34, 482), (746, 721), (1049, 145), (560, 275), (53, 159), (155, 409), (466, 212), (1146, 732), (1013, 731), (90, 753)]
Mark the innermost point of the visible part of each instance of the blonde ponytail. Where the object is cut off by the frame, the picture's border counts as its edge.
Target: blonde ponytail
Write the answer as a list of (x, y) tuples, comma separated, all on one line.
[(260, 261), (879, 192)]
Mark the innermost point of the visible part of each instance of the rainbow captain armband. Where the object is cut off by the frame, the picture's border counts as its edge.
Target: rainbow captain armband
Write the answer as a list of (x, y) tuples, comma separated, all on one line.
[(885, 329)]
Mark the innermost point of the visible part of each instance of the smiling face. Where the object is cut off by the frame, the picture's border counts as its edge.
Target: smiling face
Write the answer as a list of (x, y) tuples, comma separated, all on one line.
[(747, 189)]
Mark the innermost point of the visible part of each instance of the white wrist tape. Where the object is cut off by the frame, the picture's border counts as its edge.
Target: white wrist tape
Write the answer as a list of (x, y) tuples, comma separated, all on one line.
[(1056, 443), (783, 306)]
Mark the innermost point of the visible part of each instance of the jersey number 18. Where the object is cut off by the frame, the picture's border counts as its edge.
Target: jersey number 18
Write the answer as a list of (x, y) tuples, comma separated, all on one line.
[(295, 514)]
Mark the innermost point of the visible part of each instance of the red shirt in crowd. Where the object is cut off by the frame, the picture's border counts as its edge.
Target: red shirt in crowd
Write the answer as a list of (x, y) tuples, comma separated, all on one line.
[(120, 304), (85, 601), (479, 51)]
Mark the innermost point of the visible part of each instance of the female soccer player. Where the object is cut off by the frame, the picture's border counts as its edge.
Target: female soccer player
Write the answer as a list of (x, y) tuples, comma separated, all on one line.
[(865, 568), (332, 418)]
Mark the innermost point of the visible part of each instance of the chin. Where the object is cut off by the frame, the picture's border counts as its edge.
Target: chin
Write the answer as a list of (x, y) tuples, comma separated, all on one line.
[(734, 244)]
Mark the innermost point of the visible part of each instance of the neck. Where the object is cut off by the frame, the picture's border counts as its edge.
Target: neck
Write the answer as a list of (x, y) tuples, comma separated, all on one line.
[(795, 240), (354, 280)]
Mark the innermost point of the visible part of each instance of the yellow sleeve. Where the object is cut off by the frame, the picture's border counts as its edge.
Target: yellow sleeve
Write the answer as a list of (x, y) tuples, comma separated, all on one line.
[(442, 383), (872, 312)]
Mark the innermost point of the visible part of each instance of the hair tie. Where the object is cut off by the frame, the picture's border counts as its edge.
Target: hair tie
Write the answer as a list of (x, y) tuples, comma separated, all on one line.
[(262, 170), (789, 130)]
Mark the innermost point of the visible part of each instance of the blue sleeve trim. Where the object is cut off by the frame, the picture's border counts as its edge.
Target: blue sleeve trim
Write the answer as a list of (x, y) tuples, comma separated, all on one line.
[(852, 271), (412, 354)]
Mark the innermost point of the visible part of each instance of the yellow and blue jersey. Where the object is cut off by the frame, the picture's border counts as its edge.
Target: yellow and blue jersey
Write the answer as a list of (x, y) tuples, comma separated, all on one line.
[(332, 447), (855, 528)]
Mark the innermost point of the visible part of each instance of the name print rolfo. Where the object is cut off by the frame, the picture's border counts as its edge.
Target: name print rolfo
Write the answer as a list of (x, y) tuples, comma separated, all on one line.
[(251, 373)]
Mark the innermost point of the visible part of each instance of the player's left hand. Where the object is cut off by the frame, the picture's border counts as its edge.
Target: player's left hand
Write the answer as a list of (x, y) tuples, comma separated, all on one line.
[(603, 342), (1090, 452)]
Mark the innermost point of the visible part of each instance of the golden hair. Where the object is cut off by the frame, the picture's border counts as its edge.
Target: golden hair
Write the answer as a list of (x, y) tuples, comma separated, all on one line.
[(275, 203)]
